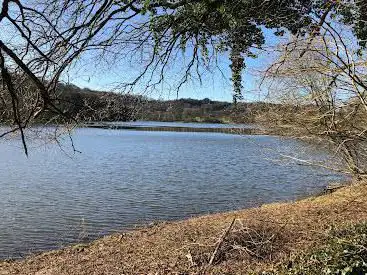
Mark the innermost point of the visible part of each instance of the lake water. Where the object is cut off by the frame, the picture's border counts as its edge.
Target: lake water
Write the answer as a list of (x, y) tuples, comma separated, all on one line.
[(124, 178)]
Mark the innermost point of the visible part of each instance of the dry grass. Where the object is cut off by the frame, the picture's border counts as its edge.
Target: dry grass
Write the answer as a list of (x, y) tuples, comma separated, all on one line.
[(259, 238)]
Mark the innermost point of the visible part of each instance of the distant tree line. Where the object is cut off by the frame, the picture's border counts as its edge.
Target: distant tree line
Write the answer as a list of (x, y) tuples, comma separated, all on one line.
[(80, 104), (86, 105), (204, 110)]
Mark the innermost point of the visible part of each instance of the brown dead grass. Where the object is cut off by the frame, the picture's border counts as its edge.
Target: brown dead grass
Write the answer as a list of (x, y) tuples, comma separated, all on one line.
[(259, 239)]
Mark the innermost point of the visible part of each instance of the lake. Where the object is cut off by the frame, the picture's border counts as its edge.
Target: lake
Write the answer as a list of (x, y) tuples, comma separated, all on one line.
[(126, 178)]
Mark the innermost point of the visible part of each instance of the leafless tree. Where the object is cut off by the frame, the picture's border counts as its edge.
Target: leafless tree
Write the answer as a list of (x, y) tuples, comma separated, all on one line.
[(42, 40), (324, 78)]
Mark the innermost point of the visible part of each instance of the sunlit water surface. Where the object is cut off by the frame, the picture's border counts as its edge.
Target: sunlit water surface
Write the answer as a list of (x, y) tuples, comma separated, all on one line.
[(122, 179)]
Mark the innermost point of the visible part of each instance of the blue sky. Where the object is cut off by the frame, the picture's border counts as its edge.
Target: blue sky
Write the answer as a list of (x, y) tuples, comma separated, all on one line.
[(93, 73)]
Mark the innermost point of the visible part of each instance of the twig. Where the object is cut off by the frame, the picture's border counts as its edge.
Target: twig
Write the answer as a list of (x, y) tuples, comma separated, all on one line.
[(220, 242), (189, 257)]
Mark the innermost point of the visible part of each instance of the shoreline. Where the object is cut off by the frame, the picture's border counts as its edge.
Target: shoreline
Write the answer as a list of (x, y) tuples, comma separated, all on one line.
[(186, 245), (143, 226), (238, 131)]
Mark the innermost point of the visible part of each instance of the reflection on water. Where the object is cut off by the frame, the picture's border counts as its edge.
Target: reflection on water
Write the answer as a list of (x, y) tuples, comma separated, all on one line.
[(125, 178)]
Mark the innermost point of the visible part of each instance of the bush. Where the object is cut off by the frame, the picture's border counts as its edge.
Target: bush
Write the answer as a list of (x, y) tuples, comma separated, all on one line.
[(344, 252)]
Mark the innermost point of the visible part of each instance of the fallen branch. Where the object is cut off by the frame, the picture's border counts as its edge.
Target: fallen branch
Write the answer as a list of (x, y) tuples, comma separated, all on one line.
[(220, 242)]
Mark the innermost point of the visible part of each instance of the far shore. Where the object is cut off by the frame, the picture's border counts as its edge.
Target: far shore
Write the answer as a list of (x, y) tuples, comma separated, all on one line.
[(244, 131)]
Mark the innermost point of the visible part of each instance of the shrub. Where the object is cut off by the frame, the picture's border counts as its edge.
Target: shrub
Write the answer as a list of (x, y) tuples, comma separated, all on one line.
[(344, 252)]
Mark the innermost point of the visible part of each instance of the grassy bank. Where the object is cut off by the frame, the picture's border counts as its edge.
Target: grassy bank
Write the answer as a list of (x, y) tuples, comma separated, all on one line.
[(280, 238)]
